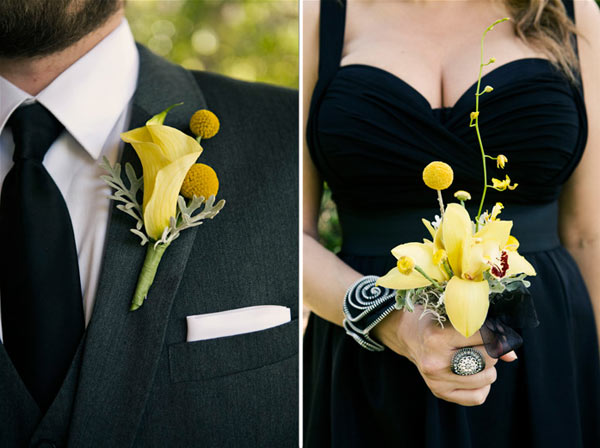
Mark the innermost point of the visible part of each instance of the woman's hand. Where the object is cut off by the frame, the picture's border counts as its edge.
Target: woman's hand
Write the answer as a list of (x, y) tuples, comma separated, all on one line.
[(431, 348)]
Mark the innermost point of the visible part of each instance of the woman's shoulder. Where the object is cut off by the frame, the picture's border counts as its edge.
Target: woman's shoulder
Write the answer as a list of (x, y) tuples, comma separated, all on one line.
[(587, 20)]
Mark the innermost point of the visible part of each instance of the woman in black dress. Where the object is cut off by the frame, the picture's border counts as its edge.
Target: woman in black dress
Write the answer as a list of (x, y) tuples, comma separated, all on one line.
[(388, 88)]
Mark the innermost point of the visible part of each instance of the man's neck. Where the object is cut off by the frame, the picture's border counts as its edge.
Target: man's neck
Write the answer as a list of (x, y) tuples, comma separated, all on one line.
[(33, 75)]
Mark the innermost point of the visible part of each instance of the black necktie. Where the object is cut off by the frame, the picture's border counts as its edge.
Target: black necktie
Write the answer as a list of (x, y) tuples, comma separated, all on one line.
[(40, 292)]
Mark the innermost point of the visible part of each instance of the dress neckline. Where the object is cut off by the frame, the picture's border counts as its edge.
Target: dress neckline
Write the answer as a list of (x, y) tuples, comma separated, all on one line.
[(470, 89)]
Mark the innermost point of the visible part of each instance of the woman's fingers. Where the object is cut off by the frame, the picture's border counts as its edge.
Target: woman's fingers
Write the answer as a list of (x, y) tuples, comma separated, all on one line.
[(509, 357), (489, 361), (474, 397), (484, 378), (459, 341), (468, 391), (436, 364), (453, 381), (449, 337), (432, 348)]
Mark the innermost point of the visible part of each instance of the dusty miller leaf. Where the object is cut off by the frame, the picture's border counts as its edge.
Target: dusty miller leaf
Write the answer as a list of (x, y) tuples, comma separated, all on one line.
[(127, 196)]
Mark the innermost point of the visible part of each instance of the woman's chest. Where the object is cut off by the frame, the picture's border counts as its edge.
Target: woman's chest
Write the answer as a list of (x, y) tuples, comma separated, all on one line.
[(435, 50)]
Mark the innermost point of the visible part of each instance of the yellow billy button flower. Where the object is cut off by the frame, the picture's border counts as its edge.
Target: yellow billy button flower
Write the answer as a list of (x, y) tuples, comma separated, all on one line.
[(438, 175), (462, 195), (166, 155), (201, 181), (406, 265), (502, 185), (204, 124), (474, 115), (501, 160)]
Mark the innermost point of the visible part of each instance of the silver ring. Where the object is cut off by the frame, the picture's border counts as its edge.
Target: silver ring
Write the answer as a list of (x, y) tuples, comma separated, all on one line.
[(467, 361)]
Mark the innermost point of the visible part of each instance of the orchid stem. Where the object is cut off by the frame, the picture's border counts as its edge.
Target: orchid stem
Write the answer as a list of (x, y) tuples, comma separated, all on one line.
[(477, 94), (447, 268), (433, 282)]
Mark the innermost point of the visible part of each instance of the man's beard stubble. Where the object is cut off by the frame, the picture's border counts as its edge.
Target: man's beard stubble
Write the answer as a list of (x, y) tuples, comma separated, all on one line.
[(30, 28)]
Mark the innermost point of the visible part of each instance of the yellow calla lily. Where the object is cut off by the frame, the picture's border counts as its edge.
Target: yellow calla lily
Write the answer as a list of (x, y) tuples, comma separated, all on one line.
[(422, 254), (166, 154), (467, 304)]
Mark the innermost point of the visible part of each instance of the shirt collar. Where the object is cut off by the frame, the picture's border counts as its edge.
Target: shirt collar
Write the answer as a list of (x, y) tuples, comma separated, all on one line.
[(11, 97), (89, 97)]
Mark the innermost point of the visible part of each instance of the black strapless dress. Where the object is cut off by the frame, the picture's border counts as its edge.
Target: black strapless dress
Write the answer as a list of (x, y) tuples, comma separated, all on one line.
[(370, 135)]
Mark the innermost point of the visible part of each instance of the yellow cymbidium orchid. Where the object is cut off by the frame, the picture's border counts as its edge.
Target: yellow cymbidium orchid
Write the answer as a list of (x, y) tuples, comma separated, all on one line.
[(467, 304), (436, 235), (166, 154), (470, 255), (422, 254)]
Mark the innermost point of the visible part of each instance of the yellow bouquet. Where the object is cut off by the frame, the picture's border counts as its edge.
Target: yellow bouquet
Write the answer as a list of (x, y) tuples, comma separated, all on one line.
[(466, 262)]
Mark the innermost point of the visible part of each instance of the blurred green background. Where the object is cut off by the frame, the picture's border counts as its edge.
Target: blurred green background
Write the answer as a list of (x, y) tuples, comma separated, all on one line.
[(330, 232), (245, 39)]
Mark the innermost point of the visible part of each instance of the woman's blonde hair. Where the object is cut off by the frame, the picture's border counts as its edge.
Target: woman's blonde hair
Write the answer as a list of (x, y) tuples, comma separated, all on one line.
[(545, 25)]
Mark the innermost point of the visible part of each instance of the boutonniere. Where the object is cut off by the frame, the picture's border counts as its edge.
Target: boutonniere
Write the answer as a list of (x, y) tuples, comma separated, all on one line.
[(177, 193)]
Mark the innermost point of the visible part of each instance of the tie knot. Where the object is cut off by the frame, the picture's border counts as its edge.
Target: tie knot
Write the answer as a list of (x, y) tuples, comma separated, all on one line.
[(34, 129)]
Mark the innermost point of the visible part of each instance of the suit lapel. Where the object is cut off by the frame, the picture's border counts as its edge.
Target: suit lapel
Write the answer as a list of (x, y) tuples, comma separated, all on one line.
[(122, 348)]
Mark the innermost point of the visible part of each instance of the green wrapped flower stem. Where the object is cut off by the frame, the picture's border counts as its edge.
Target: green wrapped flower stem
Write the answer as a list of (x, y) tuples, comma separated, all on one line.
[(153, 257)]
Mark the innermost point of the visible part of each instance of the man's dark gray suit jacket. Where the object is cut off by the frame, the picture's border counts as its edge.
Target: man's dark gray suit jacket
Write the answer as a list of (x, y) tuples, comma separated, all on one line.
[(134, 381)]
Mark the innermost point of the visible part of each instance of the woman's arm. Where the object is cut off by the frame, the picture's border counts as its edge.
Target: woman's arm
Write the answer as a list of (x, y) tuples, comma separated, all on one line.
[(580, 212), (326, 277)]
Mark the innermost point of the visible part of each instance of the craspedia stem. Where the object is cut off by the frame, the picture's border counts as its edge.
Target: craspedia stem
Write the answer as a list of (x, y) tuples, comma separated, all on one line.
[(441, 202), (146, 278)]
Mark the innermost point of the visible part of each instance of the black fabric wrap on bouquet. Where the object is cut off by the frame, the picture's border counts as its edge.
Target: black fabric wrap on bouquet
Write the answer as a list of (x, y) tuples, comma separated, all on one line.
[(509, 311)]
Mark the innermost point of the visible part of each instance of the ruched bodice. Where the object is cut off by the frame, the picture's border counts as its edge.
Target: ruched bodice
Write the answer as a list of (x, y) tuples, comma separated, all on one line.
[(372, 134)]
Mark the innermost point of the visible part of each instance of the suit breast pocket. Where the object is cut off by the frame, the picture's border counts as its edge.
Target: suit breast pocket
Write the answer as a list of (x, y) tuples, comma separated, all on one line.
[(214, 358)]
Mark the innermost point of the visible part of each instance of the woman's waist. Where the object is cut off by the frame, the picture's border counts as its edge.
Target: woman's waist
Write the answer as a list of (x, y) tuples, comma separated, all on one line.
[(373, 233)]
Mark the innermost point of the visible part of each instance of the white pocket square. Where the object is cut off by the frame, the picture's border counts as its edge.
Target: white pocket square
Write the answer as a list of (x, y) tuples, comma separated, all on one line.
[(233, 322)]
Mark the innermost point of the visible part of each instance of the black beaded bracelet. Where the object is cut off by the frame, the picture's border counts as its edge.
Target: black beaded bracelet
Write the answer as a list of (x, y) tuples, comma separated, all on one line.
[(365, 305)]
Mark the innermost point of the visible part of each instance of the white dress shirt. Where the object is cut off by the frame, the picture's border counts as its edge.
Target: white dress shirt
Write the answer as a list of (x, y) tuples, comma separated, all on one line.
[(92, 100)]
